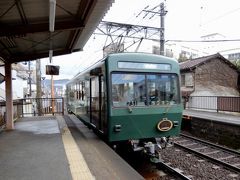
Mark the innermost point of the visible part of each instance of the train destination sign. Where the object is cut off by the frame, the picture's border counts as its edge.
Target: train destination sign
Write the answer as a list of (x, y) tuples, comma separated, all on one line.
[(140, 65)]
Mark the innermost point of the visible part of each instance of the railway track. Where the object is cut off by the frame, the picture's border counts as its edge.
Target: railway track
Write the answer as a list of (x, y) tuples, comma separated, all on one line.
[(192, 158), (222, 156), (183, 165), (173, 171), (216, 162)]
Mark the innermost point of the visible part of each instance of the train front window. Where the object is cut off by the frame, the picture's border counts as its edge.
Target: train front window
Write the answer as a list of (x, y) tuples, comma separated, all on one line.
[(163, 89), (130, 89)]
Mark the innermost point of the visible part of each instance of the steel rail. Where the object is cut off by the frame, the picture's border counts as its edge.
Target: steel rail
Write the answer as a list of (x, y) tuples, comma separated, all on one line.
[(174, 172), (212, 144), (227, 165)]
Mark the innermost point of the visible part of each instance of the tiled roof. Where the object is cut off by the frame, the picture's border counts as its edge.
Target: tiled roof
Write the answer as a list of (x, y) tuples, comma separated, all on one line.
[(193, 63)]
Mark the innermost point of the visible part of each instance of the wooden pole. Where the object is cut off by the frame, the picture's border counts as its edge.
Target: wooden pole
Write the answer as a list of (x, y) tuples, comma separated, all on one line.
[(52, 94)]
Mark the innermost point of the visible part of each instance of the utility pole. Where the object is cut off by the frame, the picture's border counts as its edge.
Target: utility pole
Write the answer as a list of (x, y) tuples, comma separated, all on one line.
[(117, 33), (161, 12), (29, 79), (39, 88)]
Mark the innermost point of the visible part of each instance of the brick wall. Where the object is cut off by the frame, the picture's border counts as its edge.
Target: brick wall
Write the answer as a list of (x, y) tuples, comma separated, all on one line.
[(216, 72)]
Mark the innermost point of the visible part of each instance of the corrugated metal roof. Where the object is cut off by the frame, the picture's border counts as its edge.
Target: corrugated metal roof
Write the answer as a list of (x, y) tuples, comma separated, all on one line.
[(24, 32)]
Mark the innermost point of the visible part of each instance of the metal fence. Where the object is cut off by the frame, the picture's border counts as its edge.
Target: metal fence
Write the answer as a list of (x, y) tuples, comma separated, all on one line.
[(41, 106), (16, 112), (32, 107), (216, 103)]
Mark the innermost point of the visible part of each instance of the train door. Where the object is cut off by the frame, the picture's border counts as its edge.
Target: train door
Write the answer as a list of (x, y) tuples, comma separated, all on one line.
[(95, 113), (103, 105), (98, 102)]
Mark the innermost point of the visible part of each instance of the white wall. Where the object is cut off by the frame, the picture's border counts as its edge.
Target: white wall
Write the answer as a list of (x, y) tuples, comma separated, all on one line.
[(18, 85), (2, 85)]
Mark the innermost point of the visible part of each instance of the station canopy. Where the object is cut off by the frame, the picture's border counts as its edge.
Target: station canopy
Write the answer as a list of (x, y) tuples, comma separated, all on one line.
[(33, 29)]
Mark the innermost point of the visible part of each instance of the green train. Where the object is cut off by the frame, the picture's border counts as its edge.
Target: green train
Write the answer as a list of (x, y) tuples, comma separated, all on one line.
[(130, 97)]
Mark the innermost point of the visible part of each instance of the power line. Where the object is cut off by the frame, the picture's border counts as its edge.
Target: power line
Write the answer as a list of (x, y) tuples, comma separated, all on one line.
[(204, 41), (221, 16), (161, 11)]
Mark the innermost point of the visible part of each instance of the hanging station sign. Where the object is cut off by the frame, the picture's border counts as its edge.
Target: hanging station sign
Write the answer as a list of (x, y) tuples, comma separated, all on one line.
[(52, 70)]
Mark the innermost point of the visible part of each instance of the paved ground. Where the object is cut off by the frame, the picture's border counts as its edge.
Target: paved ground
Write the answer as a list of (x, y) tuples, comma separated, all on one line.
[(214, 116), (43, 148), (34, 150), (104, 163)]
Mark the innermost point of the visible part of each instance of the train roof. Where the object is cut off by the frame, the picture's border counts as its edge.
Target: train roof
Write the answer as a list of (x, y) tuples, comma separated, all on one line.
[(143, 54), (125, 57), (141, 57)]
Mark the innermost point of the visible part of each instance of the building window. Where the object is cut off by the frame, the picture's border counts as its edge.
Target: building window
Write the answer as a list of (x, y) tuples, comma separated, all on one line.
[(234, 56), (183, 80), (187, 80)]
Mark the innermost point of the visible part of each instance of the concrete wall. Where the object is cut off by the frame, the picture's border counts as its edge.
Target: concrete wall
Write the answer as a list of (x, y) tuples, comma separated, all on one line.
[(222, 133)]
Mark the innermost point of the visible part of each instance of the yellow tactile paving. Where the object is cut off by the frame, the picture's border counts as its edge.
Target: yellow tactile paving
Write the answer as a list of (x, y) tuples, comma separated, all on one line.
[(77, 164)]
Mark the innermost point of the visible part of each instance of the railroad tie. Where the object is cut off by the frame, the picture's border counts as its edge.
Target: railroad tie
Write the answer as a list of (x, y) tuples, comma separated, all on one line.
[(182, 141), (227, 157), (191, 144), (212, 152), (237, 164), (200, 148)]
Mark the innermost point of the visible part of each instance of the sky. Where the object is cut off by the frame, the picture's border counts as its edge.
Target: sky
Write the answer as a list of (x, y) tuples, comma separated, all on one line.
[(185, 20)]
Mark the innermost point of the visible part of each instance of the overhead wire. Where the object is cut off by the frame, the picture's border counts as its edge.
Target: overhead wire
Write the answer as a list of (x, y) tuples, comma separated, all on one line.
[(221, 16), (132, 19), (204, 41)]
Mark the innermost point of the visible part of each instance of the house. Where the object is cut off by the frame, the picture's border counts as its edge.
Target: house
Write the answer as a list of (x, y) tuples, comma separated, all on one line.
[(211, 75), (19, 81)]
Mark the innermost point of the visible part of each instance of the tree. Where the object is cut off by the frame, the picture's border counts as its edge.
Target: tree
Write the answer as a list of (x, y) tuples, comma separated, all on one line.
[(237, 63), (182, 57)]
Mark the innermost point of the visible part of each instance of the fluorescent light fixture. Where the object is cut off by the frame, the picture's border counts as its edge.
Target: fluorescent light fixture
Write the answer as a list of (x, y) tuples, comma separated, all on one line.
[(52, 13)]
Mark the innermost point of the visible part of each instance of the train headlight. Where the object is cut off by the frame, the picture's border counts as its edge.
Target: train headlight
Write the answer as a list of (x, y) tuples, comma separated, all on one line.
[(164, 125)]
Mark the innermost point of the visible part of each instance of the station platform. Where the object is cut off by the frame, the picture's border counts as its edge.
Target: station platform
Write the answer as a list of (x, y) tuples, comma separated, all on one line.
[(61, 148), (213, 116)]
